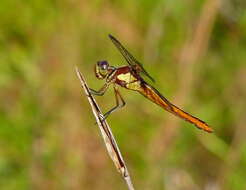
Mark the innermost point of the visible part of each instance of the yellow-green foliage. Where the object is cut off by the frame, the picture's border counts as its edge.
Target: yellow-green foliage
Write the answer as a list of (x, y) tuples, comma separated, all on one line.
[(195, 50)]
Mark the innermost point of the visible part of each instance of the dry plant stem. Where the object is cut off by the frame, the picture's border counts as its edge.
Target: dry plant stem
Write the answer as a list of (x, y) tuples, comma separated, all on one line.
[(107, 135), (193, 50)]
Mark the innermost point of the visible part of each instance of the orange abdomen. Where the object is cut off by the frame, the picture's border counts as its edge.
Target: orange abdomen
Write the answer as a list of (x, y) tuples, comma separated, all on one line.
[(152, 94)]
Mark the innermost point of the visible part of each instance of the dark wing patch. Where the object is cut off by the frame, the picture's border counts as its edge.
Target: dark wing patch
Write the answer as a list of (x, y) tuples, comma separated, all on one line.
[(129, 58)]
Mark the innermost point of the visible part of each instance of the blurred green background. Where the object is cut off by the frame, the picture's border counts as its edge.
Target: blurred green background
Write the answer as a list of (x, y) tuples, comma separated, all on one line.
[(196, 51)]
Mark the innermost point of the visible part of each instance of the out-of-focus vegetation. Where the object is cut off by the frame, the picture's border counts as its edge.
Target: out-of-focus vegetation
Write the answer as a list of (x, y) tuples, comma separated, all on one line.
[(196, 51)]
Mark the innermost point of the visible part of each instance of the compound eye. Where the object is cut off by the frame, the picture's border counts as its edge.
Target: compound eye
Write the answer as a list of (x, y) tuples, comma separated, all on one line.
[(103, 65)]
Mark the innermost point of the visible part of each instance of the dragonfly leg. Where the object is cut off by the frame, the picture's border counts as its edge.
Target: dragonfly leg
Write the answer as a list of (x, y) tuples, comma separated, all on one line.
[(101, 91), (118, 98)]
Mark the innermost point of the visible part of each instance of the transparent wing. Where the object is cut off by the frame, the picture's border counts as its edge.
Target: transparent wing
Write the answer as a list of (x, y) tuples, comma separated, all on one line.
[(129, 58)]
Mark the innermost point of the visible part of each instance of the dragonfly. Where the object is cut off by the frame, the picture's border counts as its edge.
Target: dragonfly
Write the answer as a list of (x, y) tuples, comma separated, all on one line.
[(130, 77)]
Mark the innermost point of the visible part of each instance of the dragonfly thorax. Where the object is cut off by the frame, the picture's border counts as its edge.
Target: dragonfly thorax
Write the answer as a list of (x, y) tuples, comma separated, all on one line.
[(101, 69)]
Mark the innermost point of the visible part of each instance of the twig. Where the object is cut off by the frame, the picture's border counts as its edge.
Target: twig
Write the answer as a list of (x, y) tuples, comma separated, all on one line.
[(107, 135)]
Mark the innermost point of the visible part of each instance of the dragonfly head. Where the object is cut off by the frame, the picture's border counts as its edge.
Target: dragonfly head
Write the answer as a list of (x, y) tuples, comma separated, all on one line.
[(101, 69)]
